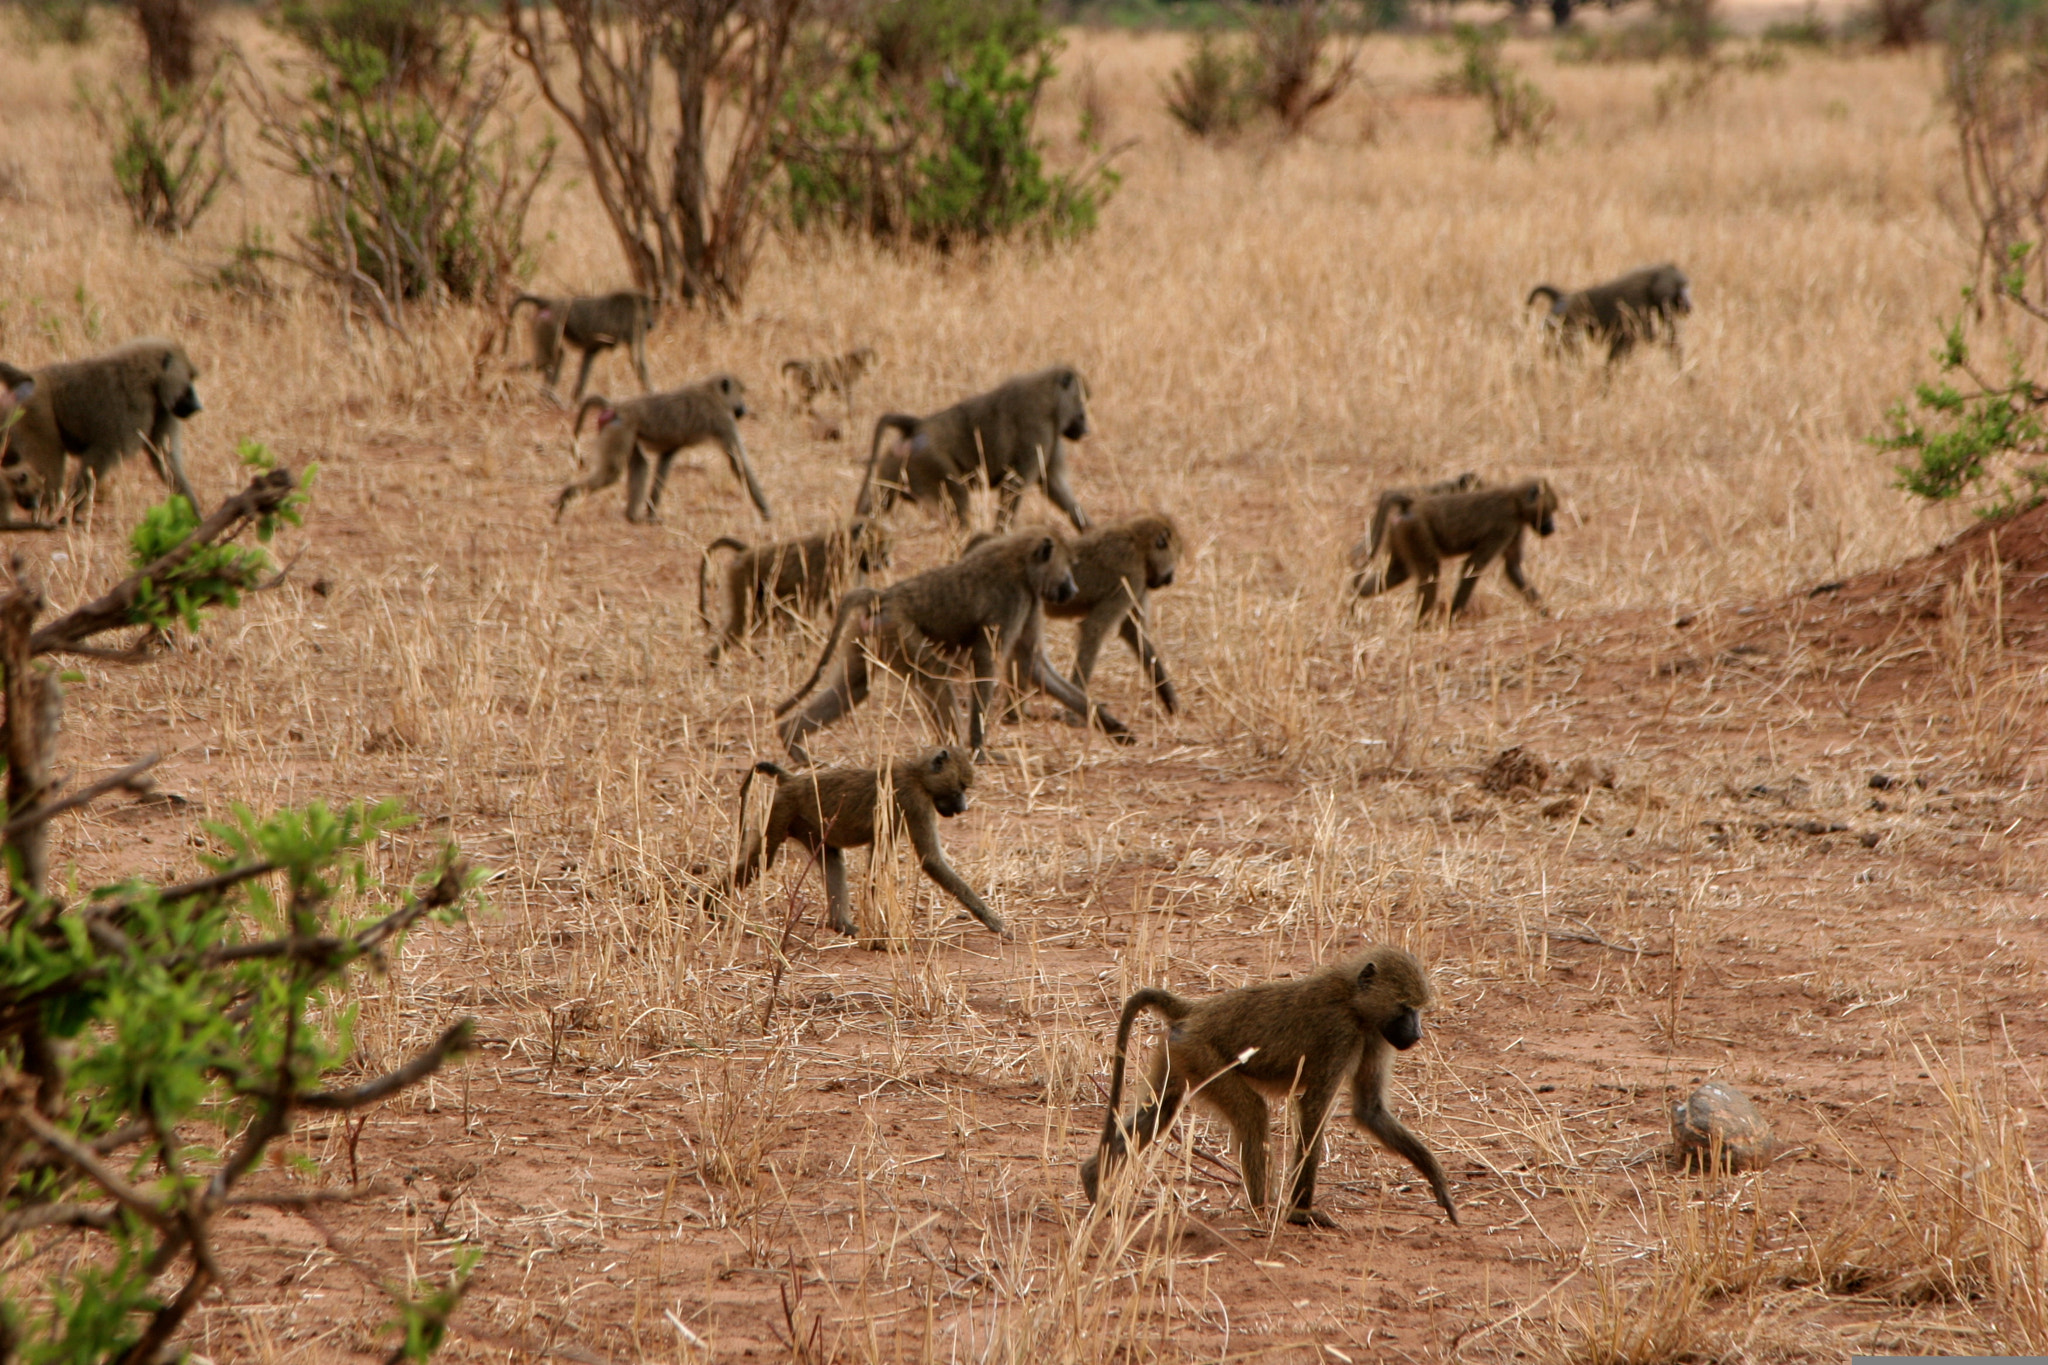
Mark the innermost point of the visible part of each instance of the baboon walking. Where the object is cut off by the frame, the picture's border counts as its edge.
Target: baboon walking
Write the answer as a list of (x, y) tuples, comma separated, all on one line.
[(1009, 438), (828, 374), (795, 577), (1620, 312), (1305, 1038), (833, 809), (983, 610), (593, 326), (644, 434), (1479, 525), (1397, 500), (103, 410)]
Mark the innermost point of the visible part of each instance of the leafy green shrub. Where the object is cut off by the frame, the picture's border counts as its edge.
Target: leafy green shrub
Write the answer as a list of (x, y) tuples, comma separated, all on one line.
[(417, 196), (170, 151), (156, 1042), (943, 161), (1210, 94), (416, 38), (1962, 443), (1518, 109)]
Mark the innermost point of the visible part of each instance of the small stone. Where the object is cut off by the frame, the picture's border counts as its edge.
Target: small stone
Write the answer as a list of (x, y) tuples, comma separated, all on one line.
[(1514, 771), (1583, 774), (1882, 782), (1720, 1117)]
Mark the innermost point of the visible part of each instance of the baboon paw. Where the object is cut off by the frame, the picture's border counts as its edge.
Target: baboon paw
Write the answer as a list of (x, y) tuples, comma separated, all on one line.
[(1311, 1218)]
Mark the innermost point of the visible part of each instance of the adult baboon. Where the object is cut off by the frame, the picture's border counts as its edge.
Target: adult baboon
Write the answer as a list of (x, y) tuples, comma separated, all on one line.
[(102, 410), (832, 809), (1009, 438), (983, 609), (1400, 500), (793, 577), (593, 326), (1115, 568), (645, 433), (1620, 312), (1304, 1038), (1478, 525)]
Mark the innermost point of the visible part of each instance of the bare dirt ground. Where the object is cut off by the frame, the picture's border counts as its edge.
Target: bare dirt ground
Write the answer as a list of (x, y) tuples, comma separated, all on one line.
[(1799, 853)]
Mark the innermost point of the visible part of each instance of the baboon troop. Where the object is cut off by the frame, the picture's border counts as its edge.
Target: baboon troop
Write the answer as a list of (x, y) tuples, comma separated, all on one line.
[(829, 810), (1301, 1038), (593, 326), (101, 410), (643, 435), (1637, 307), (827, 374), (1479, 525), (1007, 439), (789, 577), (982, 610)]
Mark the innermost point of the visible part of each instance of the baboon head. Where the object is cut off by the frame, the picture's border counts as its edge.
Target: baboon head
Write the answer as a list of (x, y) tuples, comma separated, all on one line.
[(1392, 991), (946, 774), (174, 380), (733, 392), (1539, 506), (1050, 569), (1162, 551), (1073, 404)]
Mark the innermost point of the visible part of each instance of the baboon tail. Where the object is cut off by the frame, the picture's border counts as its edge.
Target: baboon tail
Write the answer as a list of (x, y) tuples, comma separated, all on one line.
[(595, 400), (902, 422), (792, 366), (739, 815), (854, 601), (1171, 1007), (536, 300), (1544, 290), (704, 569)]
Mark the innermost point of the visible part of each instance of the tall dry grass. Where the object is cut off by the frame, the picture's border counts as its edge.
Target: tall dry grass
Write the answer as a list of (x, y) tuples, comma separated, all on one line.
[(1271, 332)]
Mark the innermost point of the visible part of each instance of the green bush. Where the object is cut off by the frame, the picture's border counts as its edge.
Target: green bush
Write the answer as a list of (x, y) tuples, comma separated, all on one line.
[(157, 1042), (170, 153), (941, 159), (1964, 443), (1518, 109), (1211, 93), (416, 38)]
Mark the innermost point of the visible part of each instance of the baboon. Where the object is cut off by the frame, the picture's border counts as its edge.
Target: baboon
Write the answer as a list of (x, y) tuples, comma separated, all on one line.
[(984, 608), (1115, 568), (833, 809), (834, 374), (799, 577), (104, 409), (1009, 437), (1620, 312), (1303, 1038), (645, 433), (1478, 525), (1400, 500), (593, 326)]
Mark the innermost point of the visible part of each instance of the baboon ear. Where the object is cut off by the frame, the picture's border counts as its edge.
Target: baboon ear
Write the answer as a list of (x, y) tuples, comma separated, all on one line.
[(1162, 542), (1043, 554), (1367, 973), (1535, 494), (939, 757)]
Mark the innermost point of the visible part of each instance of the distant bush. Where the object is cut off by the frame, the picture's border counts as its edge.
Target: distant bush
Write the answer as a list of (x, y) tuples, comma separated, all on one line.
[(1211, 93), (415, 38), (67, 22), (1679, 28), (170, 154), (1808, 30), (1518, 109), (1296, 72), (916, 138)]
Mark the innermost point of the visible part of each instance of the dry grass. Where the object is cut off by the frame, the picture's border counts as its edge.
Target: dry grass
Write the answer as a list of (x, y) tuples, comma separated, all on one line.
[(694, 1138)]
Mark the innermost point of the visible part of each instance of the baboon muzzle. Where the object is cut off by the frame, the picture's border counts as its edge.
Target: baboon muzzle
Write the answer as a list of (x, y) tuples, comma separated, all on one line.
[(1404, 1030), (1077, 428), (950, 805), (1547, 527), (1064, 590), (187, 405)]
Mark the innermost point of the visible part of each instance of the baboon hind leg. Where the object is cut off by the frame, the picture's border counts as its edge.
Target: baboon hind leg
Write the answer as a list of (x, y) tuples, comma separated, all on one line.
[(583, 373), (1312, 1109), (835, 892), (848, 689), (1244, 1109)]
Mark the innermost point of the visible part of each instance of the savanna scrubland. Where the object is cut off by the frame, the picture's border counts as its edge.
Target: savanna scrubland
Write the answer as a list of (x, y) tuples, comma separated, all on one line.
[(686, 1137)]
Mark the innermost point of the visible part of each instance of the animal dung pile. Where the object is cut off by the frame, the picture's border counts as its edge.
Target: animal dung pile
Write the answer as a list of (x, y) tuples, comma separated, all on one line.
[(1515, 771)]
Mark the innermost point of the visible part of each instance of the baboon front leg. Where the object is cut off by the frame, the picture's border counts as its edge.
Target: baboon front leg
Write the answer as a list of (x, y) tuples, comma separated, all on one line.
[(639, 350), (1074, 699), (1483, 554), (1139, 638), (554, 367), (1107, 615), (1056, 487), (835, 892), (167, 455), (736, 456), (1511, 565), (1369, 1110), (1312, 1108), (925, 835)]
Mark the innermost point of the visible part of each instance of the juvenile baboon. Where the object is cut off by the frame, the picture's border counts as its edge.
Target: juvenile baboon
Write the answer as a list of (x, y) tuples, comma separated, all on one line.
[(1010, 438), (833, 809), (103, 409), (593, 326), (1400, 500), (1115, 568), (828, 374), (1620, 312), (1478, 525), (645, 433), (982, 609), (1304, 1038), (797, 577)]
